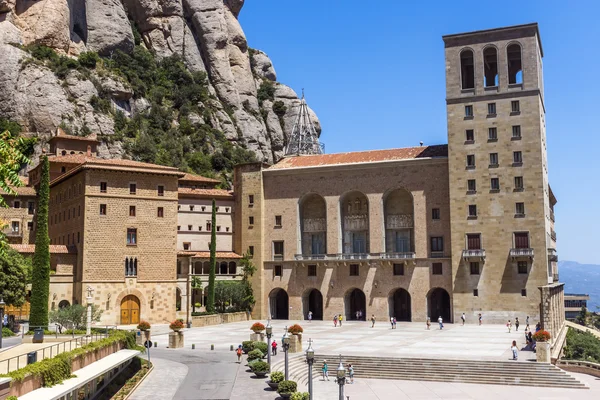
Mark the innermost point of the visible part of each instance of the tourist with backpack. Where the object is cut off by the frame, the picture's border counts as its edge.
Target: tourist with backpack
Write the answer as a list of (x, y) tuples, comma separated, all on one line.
[(274, 348), (239, 352)]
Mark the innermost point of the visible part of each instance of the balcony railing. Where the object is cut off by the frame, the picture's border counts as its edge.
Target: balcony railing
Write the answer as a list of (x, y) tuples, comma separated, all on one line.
[(473, 253), (310, 257), (437, 254), (521, 253), (553, 235), (397, 256), (552, 216), (277, 257), (552, 255), (13, 233), (555, 277), (355, 256)]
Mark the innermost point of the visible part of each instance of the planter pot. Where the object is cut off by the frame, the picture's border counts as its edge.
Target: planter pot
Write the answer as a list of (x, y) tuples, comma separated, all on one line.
[(295, 343), (260, 374), (141, 337), (257, 337), (273, 385), (285, 395), (542, 352), (175, 340)]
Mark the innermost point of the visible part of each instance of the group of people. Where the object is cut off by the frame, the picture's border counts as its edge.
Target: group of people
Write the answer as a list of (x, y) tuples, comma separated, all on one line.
[(349, 372)]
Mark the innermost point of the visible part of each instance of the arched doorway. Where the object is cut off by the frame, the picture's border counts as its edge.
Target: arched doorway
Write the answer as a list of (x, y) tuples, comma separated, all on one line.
[(399, 303), (130, 310), (355, 302), (438, 303), (313, 301), (279, 304)]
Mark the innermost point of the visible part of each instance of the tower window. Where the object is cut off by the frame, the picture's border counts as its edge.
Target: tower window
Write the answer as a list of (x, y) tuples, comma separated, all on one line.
[(515, 106), (520, 209), (518, 183), (492, 134), (312, 270), (495, 184), (490, 67), (471, 161), (103, 186), (470, 133), (436, 269), (517, 158), (399, 269), (522, 267), (472, 211), (516, 131), (469, 111), (474, 268), (354, 270), (435, 213), (491, 109), (132, 188), (493, 159), (467, 69), (471, 185), (515, 67)]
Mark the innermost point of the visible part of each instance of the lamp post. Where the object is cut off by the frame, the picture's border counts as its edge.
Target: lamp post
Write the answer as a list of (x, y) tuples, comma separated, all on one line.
[(341, 378), (88, 328), (286, 346), (2, 304), (269, 330), (310, 358)]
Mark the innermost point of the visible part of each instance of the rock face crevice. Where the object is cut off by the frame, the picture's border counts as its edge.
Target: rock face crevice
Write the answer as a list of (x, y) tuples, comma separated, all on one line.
[(205, 34)]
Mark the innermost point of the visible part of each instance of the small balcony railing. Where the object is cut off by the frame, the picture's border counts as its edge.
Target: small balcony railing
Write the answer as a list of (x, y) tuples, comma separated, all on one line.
[(277, 257), (310, 257), (437, 254), (552, 216), (553, 235), (13, 233), (521, 253), (552, 255), (473, 254), (353, 256)]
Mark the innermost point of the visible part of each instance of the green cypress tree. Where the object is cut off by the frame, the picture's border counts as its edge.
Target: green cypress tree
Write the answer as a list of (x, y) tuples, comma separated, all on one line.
[(210, 302), (40, 275)]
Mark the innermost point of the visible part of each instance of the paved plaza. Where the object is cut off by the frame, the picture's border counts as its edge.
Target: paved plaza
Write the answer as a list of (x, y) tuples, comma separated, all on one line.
[(187, 374)]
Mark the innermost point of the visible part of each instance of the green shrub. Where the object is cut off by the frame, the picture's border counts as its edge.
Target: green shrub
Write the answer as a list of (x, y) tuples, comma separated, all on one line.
[(260, 366), (88, 59), (247, 346), (46, 332), (277, 377), (266, 91), (582, 346), (7, 332), (262, 346), (287, 387), (300, 396), (12, 398), (255, 355), (279, 108)]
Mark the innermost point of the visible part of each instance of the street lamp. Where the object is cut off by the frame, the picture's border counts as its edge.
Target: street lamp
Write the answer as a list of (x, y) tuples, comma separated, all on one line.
[(269, 330), (286, 346), (88, 328), (2, 304), (341, 378), (310, 358)]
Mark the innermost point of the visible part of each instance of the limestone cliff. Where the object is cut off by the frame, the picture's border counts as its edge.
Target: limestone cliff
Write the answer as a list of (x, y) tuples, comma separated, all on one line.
[(245, 102)]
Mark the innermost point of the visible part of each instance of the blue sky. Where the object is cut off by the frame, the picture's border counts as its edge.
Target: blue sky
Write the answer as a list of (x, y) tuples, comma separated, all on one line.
[(375, 77)]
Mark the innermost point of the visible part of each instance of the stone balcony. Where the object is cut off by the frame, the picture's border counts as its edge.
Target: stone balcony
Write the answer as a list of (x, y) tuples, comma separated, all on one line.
[(355, 256), (474, 254), (521, 253), (552, 255)]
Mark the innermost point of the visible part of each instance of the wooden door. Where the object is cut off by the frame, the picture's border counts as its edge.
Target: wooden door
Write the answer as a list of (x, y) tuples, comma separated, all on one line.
[(130, 310)]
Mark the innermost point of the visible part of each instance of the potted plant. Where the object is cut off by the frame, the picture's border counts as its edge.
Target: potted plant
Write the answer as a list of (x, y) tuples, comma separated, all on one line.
[(296, 338), (247, 346), (542, 346), (176, 337), (300, 396), (262, 346), (143, 333), (286, 388), (255, 354), (276, 378), (258, 334), (260, 368)]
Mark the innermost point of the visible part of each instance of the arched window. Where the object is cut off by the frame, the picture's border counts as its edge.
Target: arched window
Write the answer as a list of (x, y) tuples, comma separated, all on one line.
[(223, 268), (232, 268), (515, 66), (490, 67), (131, 266), (467, 69), (64, 152)]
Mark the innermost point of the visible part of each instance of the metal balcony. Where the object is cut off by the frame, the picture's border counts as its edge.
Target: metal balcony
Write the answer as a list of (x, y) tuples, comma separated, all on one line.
[(278, 257), (553, 235), (473, 254), (552, 255), (353, 256), (310, 257), (437, 254), (521, 253), (395, 256)]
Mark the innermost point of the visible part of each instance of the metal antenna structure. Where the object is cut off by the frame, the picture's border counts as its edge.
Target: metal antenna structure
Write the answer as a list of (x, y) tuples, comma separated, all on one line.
[(304, 139)]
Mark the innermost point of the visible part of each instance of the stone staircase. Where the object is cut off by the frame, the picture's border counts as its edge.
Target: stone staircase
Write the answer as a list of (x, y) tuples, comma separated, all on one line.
[(519, 373)]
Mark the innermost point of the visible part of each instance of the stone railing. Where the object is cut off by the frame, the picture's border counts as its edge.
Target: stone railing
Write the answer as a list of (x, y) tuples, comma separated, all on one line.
[(355, 256), (217, 319), (517, 253), (479, 253), (582, 367)]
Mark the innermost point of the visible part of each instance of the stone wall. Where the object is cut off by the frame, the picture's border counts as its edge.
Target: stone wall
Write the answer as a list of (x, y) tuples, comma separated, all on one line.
[(552, 308), (217, 319)]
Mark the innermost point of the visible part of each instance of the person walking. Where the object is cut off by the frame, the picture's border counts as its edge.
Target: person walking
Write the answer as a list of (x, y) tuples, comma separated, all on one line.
[(358, 315), (480, 318), (441, 322), (509, 326), (527, 328), (428, 323), (341, 318), (351, 372), (335, 317), (239, 352), (325, 370), (515, 350), (309, 316), (274, 348), (516, 324), (392, 322), (373, 321), (463, 318)]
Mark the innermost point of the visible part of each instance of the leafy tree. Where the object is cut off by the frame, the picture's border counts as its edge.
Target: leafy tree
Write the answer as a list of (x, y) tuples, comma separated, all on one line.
[(266, 91), (581, 318), (210, 304), (582, 346), (40, 279), (13, 277), (75, 316), (196, 283), (248, 270), (89, 59)]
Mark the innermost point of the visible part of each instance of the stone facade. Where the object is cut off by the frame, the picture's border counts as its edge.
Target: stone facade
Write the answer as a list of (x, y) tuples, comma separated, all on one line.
[(17, 220)]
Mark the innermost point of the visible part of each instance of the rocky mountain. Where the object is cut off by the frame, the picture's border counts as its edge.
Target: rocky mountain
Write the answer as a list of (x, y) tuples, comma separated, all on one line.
[(581, 278), (50, 77)]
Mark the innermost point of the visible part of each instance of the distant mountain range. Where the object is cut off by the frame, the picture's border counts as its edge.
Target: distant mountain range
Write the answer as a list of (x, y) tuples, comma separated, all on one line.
[(583, 279)]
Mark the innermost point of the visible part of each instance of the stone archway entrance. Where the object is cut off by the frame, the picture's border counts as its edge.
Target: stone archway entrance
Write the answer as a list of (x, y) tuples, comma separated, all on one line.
[(438, 304), (313, 301), (130, 310), (279, 304), (399, 304), (355, 301)]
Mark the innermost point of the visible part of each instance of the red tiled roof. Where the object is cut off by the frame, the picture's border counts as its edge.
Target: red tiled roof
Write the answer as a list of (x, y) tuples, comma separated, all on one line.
[(205, 192), (362, 157), (71, 137), (206, 254), (54, 248), (197, 178), (82, 158), (21, 191)]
